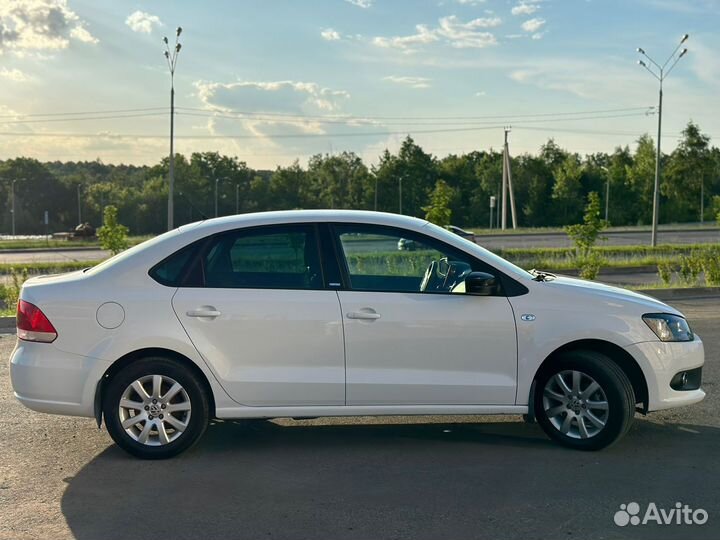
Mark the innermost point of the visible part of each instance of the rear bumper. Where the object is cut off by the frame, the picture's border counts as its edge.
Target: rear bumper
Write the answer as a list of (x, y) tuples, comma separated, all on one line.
[(48, 380), (660, 362)]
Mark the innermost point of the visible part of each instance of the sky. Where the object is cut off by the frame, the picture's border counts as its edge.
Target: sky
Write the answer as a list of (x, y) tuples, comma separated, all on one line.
[(271, 81)]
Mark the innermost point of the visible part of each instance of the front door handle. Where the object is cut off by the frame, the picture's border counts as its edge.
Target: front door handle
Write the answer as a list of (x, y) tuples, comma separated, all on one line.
[(204, 312), (365, 314)]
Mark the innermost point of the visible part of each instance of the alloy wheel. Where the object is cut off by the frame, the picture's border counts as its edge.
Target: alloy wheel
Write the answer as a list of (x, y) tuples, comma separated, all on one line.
[(575, 404), (155, 410)]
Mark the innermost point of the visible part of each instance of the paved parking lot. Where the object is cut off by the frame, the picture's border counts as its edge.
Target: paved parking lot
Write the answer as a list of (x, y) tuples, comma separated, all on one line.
[(390, 478)]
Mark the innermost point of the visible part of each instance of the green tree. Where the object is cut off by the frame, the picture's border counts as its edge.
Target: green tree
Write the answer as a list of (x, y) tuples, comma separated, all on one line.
[(439, 211), (641, 180), (586, 234), (567, 190), (113, 235), (687, 176)]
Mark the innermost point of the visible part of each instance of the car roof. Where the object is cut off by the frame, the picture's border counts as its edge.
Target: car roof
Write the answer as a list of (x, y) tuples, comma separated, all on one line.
[(323, 215)]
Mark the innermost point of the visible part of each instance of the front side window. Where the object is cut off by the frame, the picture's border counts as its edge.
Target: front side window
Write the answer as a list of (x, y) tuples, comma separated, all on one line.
[(282, 257), (394, 260)]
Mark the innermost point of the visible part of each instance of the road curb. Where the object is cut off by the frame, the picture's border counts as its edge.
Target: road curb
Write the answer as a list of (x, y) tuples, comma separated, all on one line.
[(51, 249), (7, 323), (682, 294)]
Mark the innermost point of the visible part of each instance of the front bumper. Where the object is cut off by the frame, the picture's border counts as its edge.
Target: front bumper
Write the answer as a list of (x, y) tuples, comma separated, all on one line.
[(660, 362), (48, 380)]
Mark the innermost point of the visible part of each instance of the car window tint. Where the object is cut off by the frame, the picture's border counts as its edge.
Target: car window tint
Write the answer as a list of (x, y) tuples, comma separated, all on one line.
[(393, 260), (284, 257), (170, 271)]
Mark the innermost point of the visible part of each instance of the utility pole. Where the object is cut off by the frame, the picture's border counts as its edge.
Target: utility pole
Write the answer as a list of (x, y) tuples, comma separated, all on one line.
[(79, 206), (507, 185), (171, 58), (660, 76), (237, 198)]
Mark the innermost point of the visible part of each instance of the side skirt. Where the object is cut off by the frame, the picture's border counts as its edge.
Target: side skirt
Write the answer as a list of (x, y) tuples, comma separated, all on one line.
[(367, 410)]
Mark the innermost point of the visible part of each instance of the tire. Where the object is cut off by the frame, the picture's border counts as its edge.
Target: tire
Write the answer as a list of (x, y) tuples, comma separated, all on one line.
[(593, 417), (167, 426)]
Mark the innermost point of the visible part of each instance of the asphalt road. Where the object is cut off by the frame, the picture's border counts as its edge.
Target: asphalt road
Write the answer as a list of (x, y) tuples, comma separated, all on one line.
[(628, 238), (391, 478)]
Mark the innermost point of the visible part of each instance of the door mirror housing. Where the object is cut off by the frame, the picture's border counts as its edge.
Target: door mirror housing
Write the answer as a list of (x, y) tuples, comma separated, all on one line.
[(482, 284)]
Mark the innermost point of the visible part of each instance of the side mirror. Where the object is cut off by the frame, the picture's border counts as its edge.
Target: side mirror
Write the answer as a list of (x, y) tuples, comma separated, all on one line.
[(482, 284)]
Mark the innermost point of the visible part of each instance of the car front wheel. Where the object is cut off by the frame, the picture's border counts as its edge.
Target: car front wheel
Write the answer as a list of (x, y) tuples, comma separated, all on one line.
[(584, 400), (155, 408)]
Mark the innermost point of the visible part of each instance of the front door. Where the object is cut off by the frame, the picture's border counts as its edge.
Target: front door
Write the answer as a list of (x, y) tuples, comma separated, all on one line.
[(411, 340), (262, 320)]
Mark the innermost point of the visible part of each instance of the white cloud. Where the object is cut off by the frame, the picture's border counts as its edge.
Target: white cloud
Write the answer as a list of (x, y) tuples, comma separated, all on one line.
[(37, 25), (273, 96), (422, 36), (533, 25), (330, 35), (471, 2), (451, 30), (524, 8), (538, 35), (14, 75), (466, 35), (360, 3), (482, 93), (140, 21), (412, 82)]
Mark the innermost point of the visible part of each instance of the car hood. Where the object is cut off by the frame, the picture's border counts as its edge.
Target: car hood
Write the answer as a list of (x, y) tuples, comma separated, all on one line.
[(600, 291)]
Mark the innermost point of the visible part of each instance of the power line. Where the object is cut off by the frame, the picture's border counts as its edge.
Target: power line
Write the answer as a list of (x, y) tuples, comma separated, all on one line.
[(84, 119), (283, 135), (82, 113), (370, 117), (466, 122)]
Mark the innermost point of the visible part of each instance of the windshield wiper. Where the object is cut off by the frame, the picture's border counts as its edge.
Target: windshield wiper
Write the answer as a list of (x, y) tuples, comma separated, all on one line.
[(542, 276)]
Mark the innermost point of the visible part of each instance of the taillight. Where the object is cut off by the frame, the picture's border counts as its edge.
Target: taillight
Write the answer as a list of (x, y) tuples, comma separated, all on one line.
[(33, 325)]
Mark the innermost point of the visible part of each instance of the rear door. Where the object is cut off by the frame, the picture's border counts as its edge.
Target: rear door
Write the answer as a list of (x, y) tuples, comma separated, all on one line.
[(261, 317)]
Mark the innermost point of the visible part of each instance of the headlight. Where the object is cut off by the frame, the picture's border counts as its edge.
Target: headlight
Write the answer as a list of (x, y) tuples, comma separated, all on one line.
[(669, 327)]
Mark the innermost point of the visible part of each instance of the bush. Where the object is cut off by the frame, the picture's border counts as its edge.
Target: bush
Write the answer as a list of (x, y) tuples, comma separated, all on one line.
[(590, 265), (112, 235), (711, 267), (690, 268), (10, 294), (665, 271)]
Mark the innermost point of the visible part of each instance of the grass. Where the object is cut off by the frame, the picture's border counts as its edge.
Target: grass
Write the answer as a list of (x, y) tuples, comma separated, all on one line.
[(483, 229), (47, 267), (41, 243)]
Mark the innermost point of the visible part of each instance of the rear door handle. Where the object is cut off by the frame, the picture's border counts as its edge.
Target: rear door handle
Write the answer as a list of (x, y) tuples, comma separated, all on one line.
[(205, 312), (364, 314)]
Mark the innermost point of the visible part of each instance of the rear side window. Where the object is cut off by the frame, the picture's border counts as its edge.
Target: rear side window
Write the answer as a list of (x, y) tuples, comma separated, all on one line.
[(171, 271), (278, 257)]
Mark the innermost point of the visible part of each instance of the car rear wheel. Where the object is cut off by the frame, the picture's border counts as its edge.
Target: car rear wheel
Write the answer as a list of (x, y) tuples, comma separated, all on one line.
[(584, 400), (155, 408)]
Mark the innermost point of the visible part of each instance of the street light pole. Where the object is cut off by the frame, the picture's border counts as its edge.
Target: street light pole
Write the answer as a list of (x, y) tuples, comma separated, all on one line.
[(607, 191), (400, 193), (12, 209), (661, 75), (237, 198), (217, 181), (79, 206), (171, 58)]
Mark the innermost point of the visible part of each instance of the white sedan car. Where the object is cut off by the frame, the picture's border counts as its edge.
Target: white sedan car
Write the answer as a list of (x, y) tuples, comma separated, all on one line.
[(317, 313)]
